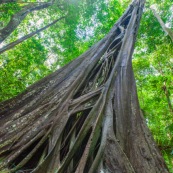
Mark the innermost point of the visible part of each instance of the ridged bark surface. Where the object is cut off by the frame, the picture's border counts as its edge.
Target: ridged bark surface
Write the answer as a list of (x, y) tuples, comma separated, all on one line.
[(85, 117)]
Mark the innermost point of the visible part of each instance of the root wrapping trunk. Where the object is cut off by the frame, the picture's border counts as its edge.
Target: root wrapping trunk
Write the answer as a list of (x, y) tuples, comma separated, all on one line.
[(85, 117)]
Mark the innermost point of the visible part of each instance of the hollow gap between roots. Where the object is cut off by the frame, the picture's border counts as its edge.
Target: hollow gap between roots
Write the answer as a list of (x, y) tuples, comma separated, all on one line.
[(70, 131), (92, 157), (33, 162)]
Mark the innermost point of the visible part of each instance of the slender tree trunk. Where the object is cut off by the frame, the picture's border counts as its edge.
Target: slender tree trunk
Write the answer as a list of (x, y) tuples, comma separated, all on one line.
[(85, 117), (20, 40), (167, 94), (167, 30), (17, 18), (6, 1), (166, 90)]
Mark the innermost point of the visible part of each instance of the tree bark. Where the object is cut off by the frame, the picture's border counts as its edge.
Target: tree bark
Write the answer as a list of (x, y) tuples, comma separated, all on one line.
[(6, 1), (167, 94), (85, 117), (167, 30), (20, 40), (17, 18), (166, 90)]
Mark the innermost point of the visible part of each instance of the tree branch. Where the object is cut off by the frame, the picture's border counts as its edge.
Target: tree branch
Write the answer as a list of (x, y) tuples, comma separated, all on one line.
[(11, 45), (167, 30), (17, 18), (6, 1)]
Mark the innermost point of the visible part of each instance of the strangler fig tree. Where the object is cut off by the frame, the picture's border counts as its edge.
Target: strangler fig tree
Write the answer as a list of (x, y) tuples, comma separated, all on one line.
[(85, 117)]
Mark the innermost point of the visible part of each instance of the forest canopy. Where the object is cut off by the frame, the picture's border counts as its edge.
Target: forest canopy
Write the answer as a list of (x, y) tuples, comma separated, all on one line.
[(50, 34)]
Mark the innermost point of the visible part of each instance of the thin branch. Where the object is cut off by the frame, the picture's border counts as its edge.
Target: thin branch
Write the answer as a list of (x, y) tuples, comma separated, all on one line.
[(6, 1), (17, 18), (11, 45), (17, 1), (167, 30)]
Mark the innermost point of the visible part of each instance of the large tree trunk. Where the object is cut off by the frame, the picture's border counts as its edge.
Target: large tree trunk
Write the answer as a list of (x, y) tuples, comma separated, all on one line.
[(85, 117)]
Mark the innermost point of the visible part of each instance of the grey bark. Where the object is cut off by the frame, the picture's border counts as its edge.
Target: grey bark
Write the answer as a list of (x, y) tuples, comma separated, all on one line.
[(17, 18), (166, 90), (85, 117), (6, 1), (20, 40), (167, 30), (167, 94)]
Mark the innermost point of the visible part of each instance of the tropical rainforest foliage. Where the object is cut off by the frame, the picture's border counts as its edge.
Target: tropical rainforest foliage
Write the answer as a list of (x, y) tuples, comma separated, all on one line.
[(84, 23)]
